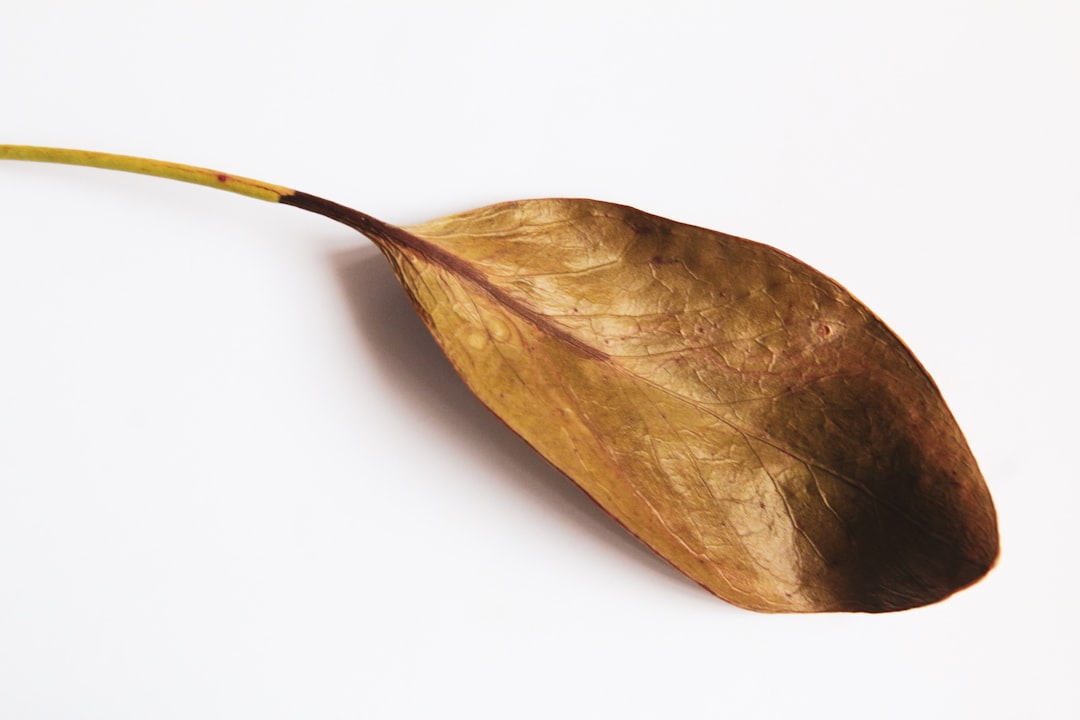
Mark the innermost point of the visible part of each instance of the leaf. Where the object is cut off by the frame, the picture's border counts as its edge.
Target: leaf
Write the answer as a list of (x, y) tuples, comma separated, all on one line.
[(736, 410)]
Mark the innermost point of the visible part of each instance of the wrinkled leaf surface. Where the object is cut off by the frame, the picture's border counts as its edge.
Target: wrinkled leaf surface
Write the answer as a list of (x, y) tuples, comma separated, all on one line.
[(735, 409)]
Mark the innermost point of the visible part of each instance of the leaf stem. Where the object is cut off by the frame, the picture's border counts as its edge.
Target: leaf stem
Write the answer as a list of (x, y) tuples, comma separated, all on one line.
[(158, 168), (375, 229)]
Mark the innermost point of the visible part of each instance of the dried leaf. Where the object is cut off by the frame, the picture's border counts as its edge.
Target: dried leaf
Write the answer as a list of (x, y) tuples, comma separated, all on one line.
[(736, 410)]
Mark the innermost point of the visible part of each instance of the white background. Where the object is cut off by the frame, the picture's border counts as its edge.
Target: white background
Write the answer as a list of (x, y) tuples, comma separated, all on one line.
[(238, 480)]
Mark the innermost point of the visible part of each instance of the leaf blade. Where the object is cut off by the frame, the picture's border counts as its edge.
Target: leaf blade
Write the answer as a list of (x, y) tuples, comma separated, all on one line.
[(738, 411)]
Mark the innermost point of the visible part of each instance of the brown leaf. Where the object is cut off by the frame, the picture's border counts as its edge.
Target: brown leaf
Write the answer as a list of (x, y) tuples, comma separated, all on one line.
[(735, 409)]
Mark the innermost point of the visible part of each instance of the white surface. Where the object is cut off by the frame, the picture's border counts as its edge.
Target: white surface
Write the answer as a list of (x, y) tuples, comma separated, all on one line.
[(238, 480)]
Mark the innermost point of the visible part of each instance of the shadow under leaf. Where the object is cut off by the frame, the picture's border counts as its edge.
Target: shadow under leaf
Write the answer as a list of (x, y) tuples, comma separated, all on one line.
[(414, 366)]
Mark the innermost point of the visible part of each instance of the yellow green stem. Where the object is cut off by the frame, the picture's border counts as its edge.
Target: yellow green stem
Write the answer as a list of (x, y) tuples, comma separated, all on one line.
[(383, 234), (158, 168)]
